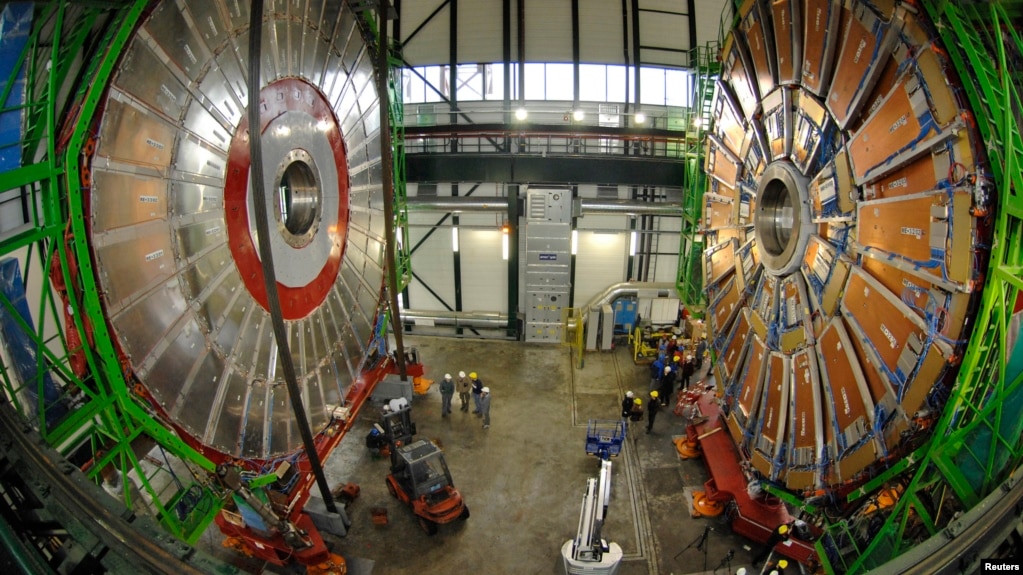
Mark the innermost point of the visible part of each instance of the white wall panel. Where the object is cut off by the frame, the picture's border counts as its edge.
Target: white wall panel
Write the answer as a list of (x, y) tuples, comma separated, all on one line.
[(601, 38), (432, 262), (431, 45), (664, 30), (664, 266), (480, 31), (601, 261), (548, 31), (484, 273), (708, 20)]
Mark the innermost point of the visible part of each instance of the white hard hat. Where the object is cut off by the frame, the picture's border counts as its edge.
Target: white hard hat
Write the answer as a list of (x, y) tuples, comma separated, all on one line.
[(629, 394), (461, 374), (486, 390), (667, 369), (447, 376)]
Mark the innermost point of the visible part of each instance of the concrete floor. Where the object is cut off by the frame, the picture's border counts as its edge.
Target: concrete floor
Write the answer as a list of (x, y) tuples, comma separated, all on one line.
[(523, 479)]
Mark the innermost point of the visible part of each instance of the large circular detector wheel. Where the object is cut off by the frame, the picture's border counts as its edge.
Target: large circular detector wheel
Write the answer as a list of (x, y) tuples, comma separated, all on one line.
[(172, 228), (846, 217)]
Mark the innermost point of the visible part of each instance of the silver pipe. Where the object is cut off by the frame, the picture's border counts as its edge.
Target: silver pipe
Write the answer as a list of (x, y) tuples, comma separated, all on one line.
[(456, 204), (638, 289), (628, 207), (456, 318)]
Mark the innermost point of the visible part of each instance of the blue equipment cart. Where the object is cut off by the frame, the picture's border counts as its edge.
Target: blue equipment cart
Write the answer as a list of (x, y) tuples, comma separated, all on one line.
[(604, 437)]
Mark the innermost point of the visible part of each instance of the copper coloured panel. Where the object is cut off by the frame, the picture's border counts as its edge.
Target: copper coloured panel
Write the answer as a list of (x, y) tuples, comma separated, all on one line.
[(884, 85), (860, 56), (821, 25), (749, 389), (774, 411), (718, 214), (720, 164), (729, 125), (760, 49), (902, 227), (894, 126), (785, 17), (921, 175), (840, 373), (733, 352), (805, 408), (736, 75), (884, 323), (726, 305)]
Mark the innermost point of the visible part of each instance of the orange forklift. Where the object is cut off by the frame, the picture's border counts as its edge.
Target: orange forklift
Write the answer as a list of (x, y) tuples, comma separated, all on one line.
[(420, 479)]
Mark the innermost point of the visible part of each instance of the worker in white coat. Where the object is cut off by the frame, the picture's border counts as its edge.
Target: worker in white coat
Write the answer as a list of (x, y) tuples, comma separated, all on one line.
[(485, 406)]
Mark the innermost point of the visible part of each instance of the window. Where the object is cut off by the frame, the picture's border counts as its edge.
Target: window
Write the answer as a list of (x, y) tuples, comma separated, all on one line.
[(560, 82), (679, 87), (651, 86), (548, 82), (471, 79), (422, 84), (616, 83), (535, 80), (413, 88), (593, 82)]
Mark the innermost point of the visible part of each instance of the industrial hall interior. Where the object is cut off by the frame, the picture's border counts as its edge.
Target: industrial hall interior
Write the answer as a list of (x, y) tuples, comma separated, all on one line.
[(550, 287)]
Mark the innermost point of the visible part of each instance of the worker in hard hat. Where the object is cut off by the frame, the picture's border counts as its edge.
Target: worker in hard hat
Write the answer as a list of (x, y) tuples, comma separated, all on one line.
[(776, 567), (779, 534), (635, 412), (688, 369), (464, 386), (485, 406), (651, 411), (701, 349), (477, 389), (666, 385), (447, 391), (627, 404)]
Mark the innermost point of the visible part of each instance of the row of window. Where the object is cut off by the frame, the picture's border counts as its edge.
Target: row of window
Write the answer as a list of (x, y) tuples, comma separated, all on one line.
[(597, 83)]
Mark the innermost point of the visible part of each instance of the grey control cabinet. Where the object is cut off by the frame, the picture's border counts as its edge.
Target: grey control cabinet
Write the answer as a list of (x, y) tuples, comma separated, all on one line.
[(548, 262)]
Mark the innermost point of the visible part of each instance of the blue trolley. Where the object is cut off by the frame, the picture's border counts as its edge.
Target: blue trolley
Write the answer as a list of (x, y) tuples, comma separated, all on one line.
[(604, 437)]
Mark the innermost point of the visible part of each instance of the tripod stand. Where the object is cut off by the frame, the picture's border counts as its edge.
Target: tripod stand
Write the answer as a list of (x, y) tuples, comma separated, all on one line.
[(726, 562), (701, 545)]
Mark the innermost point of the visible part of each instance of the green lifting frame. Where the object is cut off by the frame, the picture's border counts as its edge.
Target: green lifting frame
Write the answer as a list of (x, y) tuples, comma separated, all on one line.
[(689, 282), (397, 110), (978, 442), (108, 417), (52, 245)]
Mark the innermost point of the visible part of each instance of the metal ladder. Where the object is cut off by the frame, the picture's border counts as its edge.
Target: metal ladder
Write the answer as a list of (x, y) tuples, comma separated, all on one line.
[(689, 281)]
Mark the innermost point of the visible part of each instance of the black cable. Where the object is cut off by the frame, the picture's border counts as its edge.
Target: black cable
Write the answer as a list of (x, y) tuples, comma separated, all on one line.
[(266, 255)]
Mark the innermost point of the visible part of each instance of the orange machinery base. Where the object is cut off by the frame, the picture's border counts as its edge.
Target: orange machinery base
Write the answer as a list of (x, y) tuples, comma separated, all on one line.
[(752, 518)]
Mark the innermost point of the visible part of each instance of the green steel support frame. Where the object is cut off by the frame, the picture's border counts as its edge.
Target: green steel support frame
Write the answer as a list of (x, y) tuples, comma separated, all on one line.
[(108, 418), (689, 282), (977, 443)]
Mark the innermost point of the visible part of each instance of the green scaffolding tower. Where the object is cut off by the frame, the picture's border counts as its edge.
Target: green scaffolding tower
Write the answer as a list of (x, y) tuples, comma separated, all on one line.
[(689, 283), (77, 396)]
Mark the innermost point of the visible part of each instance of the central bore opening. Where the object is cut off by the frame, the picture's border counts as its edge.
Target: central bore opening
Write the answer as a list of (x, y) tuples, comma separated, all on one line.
[(776, 217), (297, 199)]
